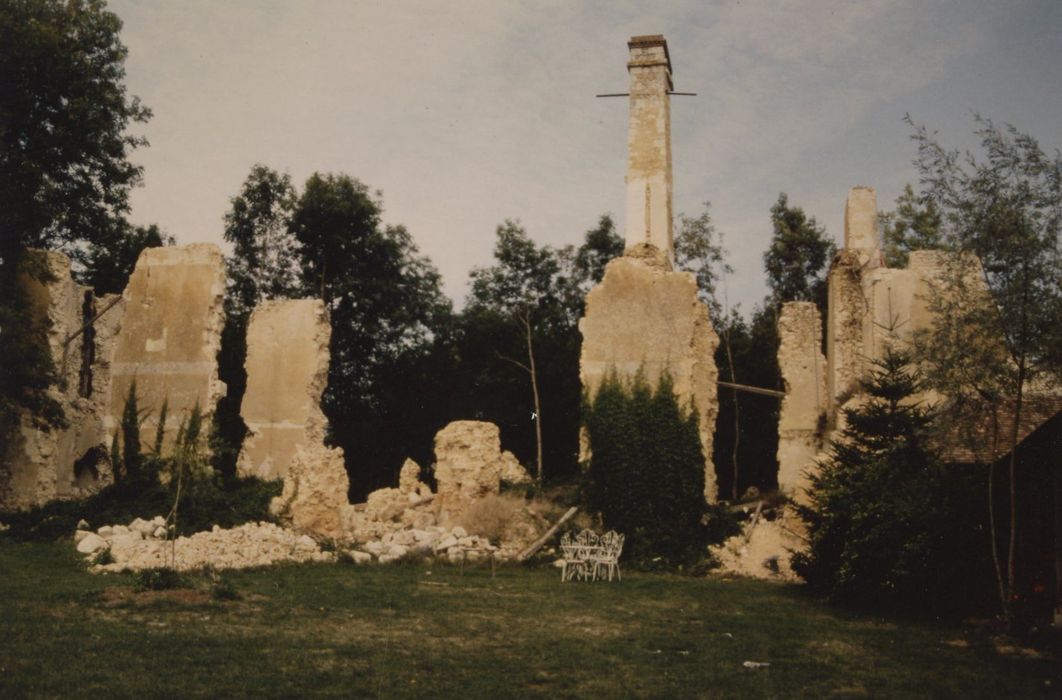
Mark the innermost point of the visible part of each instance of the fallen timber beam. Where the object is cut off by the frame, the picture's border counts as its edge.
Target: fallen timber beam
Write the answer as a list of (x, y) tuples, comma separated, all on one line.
[(753, 389), (537, 544)]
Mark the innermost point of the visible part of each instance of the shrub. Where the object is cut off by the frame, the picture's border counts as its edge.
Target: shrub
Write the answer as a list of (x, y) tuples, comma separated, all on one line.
[(889, 524), (646, 471), (103, 557), (221, 588), (492, 515), (161, 578)]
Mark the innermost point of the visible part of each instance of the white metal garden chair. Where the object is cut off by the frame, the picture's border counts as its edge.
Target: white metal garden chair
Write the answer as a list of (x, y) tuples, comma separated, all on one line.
[(607, 555), (578, 553)]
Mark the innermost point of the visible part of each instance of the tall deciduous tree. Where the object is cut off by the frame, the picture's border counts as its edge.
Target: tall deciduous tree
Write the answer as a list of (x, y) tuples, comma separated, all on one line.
[(799, 256), (64, 167), (699, 249), (547, 287), (387, 311), (600, 244), (1004, 208), (109, 263), (523, 287), (264, 264), (913, 225)]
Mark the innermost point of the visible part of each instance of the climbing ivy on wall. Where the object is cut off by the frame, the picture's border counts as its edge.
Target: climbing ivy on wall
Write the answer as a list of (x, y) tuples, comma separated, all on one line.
[(646, 471)]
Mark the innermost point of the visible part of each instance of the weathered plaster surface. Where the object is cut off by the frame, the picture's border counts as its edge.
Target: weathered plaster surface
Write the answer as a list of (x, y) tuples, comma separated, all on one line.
[(39, 465), (287, 372), (470, 464), (170, 336), (803, 411), (644, 316), (649, 216)]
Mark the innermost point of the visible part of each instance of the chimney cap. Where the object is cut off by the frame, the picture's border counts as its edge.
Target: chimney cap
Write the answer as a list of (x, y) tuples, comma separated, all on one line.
[(649, 40)]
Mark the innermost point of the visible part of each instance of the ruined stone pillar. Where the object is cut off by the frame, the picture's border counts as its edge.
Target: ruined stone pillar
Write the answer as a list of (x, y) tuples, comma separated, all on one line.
[(649, 146), (287, 371), (170, 337), (861, 220), (848, 329), (801, 422)]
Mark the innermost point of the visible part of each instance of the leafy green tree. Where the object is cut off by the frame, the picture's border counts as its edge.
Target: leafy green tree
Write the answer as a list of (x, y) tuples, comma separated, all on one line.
[(888, 524), (110, 262), (600, 245), (913, 225), (646, 472), (699, 249), (997, 337), (798, 258), (64, 168), (546, 287), (522, 287), (388, 316), (264, 264)]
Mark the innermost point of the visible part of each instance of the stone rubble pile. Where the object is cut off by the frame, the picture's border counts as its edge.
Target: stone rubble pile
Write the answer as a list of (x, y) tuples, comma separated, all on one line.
[(764, 548), (452, 544), (143, 545)]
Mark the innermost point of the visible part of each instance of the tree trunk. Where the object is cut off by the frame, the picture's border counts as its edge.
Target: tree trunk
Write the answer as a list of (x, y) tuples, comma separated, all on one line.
[(534, 390), (1012, 485), (1004, 599)]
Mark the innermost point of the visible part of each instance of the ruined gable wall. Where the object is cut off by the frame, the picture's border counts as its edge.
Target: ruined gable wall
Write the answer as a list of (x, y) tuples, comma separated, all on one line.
[(287, 372), (170, 336), (642, 315)]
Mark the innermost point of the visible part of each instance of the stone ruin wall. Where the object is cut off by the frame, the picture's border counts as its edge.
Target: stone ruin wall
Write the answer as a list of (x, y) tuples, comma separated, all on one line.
[(869, 307), (164, 331), (170, 337), (42, 464), (803, 410), (287, 372), (647, 316)]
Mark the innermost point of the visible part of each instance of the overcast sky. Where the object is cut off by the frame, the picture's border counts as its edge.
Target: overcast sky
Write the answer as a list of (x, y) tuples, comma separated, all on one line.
[(465, 113)]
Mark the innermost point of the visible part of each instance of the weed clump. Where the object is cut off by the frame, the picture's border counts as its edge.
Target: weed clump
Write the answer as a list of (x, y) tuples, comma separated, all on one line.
[(161, 578)]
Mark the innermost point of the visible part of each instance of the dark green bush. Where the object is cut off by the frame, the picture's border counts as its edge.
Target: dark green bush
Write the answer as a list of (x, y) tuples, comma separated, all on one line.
[(216, 501), (161, 578), (890, 525), (646, 472)]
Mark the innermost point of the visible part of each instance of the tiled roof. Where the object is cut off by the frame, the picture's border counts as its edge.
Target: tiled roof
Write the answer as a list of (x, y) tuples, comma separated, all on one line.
[(967, 430)]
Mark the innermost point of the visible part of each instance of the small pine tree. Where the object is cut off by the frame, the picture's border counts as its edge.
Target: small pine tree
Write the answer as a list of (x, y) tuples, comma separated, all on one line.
[(116, 458), (131, 457), (646, 472), (884, 527), (160, 429)]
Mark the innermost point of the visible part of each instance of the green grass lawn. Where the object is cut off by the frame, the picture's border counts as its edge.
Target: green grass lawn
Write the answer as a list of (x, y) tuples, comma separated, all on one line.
[(429, 631)]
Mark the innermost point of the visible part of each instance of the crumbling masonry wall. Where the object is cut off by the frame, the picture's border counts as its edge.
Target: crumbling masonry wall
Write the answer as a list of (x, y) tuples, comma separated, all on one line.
[(803, 411), (170, 337), (647, 316), (41, 464), (287, 372)]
